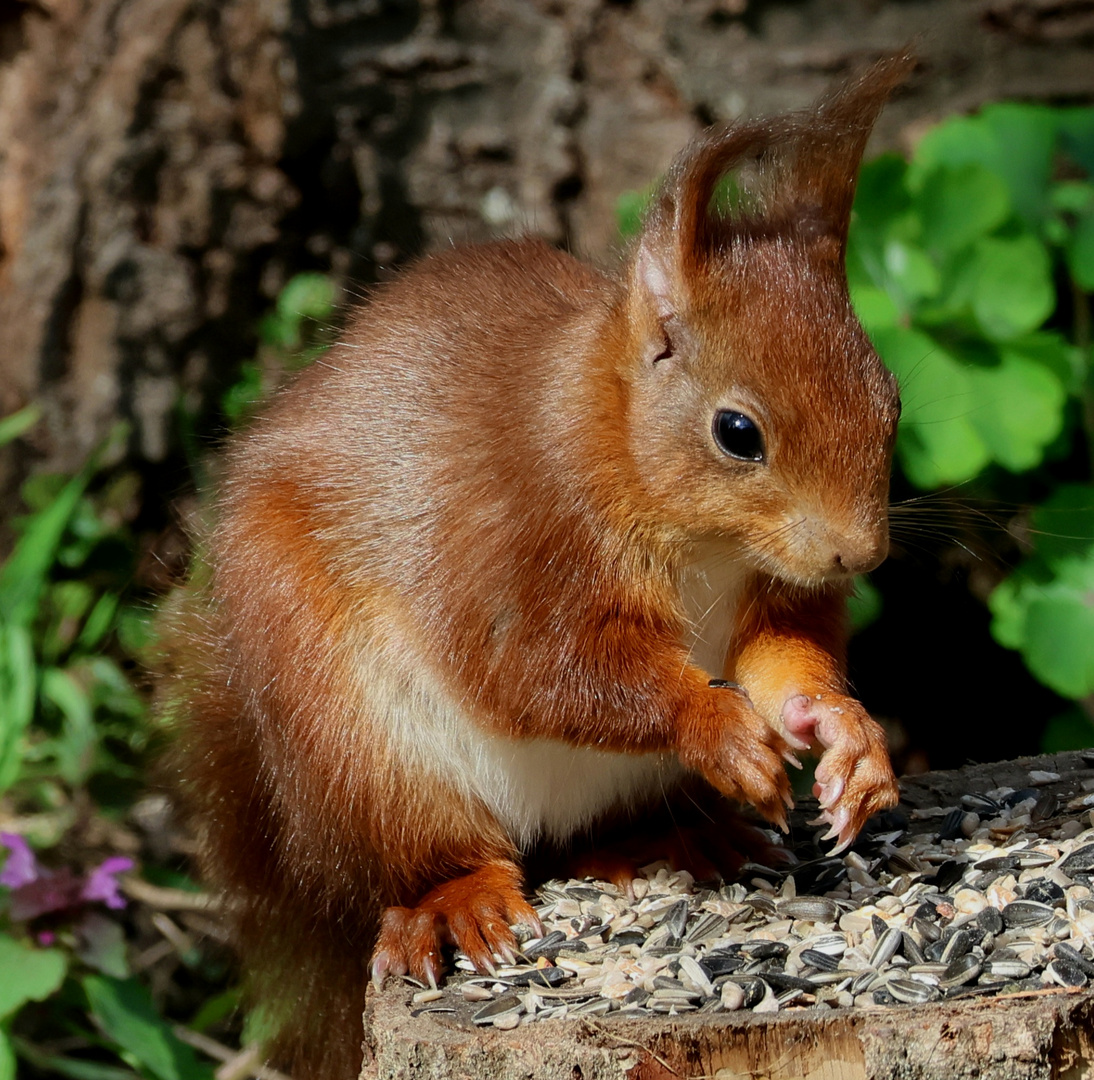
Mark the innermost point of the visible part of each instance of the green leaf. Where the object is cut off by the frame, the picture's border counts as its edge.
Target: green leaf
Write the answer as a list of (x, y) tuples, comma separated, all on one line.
[(68, 602), (874, 307), (1072, 196), (629, 208), (1063, 529), (1077, 136), (1008, 611), (963, 140), (7, 1057), (23, 575), (881, 194), (40, 973), (1026, 137), (1059, 641), (124, 1011), (135, 629), (1014, 291), (18, 688), (1019, 409), (864, 604), (109, 687), (1014, 142), (15, 424), (57, 1065), (1046, 608), (98, 623), (1072, 730), (306, 296), (102, 944), (910, 272), (937, 442), (240, 398), (1052, 351), (959, 204), (1080, 252), (1052, 625), (75, 748), (215, 1009)]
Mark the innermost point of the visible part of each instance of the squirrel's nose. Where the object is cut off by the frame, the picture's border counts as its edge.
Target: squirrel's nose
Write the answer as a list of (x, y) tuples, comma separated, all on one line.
[(851, 559)]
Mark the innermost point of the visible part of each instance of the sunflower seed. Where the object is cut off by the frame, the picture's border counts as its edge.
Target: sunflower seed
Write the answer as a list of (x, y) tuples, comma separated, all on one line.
[(809, 909), (1008, 969), (962, 970), (692, 972), (1066, 973), (507, 1003), (820, 961), (1071, 955), (1080, 861), (911, 991), (1024, 913), (958, 944), (887, 945)]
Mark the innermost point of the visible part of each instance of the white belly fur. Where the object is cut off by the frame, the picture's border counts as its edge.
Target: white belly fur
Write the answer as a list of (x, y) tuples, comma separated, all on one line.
[(534, 787), (541, 788)]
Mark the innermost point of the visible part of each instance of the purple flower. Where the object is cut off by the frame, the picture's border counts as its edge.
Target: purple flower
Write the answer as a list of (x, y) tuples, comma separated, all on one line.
[(37, 891), (102, 884), (21, 868), (50, 891)]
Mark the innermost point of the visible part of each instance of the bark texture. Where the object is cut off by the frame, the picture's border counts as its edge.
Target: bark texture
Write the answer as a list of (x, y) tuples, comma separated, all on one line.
[(166, 164), (1039, 1036)]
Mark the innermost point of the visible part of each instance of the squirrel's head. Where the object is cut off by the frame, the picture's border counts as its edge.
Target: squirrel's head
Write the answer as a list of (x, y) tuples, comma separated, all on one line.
[(759, 410)]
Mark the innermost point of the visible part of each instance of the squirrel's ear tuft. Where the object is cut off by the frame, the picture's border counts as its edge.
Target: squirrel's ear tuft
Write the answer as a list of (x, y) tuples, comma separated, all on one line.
[(825, 155), (792, 175)]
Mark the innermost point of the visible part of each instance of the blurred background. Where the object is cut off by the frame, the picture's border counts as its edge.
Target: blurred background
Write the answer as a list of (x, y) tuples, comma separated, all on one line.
[(191, 192)]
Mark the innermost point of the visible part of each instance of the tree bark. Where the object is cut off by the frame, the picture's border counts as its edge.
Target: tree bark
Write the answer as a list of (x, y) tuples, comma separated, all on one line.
[(165, 165)]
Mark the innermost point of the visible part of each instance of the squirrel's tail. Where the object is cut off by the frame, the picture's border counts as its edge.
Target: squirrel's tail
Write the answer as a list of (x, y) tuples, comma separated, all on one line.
[(304, 958)]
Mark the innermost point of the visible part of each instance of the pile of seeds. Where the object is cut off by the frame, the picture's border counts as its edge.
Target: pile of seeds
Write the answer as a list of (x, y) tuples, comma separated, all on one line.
[(993, 895)]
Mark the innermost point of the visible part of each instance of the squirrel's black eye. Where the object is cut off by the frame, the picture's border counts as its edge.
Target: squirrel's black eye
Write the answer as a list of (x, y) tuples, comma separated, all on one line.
[(738, 436)]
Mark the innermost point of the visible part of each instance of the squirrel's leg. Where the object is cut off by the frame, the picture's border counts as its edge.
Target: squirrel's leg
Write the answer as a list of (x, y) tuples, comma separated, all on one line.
[(622, 682), (711, 851), (789, 655), (473, 912)]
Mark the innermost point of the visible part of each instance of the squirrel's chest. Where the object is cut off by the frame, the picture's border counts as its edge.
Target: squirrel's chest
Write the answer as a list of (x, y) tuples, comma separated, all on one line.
[(711, 582), (545, 787)]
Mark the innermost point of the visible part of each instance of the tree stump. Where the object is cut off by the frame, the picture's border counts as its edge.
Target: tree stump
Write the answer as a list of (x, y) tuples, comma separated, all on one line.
[(1043, 1034)]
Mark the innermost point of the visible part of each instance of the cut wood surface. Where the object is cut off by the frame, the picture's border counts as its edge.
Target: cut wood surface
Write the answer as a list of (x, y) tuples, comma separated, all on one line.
[(1028, 1037), (1034, 1035)]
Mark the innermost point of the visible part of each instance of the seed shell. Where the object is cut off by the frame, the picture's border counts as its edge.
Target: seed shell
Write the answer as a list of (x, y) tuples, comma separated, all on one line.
[(1066, 973), (1025, 913), (911, 991), (988, 901), (809, 908)]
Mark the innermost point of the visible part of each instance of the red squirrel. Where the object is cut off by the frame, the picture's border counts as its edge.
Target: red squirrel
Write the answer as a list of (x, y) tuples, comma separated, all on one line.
[(531, 544)]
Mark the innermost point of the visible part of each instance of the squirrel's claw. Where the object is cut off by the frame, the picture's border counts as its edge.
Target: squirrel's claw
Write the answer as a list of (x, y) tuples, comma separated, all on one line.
[(474, 913), (854, 778)]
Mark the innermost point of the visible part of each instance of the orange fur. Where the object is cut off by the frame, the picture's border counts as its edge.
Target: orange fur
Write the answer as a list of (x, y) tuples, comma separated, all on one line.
[(447, 560)]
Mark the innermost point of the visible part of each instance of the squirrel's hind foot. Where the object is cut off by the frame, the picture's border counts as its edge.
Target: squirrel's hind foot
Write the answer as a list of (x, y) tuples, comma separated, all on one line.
[(473, 913)]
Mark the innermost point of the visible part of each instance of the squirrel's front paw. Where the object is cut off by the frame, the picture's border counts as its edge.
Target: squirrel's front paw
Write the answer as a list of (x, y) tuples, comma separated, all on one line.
[(731, 745), (854, 778)]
